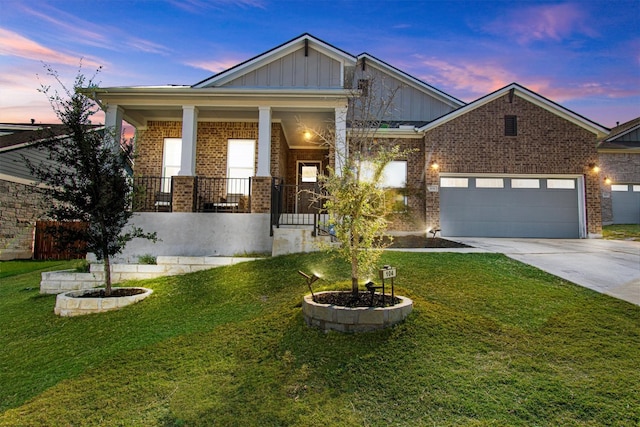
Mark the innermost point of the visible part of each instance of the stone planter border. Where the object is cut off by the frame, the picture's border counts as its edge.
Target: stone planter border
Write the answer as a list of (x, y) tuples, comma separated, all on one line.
[(354, 319), (68, 304)]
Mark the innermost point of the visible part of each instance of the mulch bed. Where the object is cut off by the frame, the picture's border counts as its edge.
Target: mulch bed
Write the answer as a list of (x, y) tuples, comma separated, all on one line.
[(116, 292), (346, 299), (417, 241)]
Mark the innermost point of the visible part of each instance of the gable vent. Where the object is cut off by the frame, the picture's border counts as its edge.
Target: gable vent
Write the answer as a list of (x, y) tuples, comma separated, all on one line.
[(510, 125)]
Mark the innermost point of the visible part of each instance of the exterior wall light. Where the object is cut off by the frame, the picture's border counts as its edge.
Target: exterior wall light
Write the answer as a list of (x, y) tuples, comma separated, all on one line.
[(594, 167), (435, 166), (607, 180)]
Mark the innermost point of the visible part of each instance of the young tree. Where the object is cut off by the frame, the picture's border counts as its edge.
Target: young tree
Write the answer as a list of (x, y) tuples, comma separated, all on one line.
[(353, 196), (85, 176)]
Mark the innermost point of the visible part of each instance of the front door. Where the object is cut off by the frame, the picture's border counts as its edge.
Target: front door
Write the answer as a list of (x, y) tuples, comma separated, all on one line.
[(308, 171)]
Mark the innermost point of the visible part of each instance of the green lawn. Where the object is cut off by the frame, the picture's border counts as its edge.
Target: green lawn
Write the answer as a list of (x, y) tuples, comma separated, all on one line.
[(621, 232), (491, 342)]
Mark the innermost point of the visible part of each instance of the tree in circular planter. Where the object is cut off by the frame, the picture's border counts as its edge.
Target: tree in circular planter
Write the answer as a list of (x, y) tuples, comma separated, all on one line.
[(85, 176), (352, 191)]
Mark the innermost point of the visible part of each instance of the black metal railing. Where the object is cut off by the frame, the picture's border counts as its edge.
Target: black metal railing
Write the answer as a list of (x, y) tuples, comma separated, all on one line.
[(298, 205), (228, 195), (152, 194)]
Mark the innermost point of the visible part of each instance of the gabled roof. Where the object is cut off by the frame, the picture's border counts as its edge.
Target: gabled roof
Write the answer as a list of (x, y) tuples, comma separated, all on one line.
[(530, 96), (409, 79), (276, 53), (615, 141), (17, 133)]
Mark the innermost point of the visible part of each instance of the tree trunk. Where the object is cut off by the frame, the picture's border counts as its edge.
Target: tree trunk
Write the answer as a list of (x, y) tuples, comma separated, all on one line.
[(107, 275)]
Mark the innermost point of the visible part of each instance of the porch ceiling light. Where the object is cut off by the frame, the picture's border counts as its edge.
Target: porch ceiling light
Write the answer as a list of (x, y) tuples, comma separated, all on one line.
[(307, 135)]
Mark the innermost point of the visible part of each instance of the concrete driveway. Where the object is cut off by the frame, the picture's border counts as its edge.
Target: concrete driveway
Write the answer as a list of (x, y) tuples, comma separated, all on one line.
[(610, 267)]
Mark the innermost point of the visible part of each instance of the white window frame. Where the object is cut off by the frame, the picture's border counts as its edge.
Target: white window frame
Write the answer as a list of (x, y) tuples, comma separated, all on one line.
[(171, 159), (561, 184), (525, 183)]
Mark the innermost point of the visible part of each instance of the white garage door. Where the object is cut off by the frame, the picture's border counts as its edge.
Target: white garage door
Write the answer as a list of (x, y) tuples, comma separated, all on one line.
[(625, 201), (510, 207)]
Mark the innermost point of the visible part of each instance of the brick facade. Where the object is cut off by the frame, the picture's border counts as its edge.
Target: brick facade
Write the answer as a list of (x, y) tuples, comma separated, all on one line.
[(545, 144), (20, 206)]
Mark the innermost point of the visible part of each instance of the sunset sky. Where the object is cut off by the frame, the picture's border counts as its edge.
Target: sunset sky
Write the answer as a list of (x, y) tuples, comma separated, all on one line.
[(584, 55)]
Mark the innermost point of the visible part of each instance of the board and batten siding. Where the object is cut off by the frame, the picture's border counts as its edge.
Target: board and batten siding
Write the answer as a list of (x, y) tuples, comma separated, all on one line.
[(294, 70), (409, 103)]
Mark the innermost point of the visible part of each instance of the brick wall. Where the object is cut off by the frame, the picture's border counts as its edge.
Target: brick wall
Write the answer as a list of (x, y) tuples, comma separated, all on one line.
[(545, 144), (20, 206), (620, 168)]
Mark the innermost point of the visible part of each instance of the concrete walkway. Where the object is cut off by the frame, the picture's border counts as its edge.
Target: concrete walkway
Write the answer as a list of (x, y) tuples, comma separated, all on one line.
[(611, 267)]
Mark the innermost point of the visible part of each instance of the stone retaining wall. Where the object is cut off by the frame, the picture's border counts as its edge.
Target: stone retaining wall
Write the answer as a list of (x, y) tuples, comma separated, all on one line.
[(55, 282)]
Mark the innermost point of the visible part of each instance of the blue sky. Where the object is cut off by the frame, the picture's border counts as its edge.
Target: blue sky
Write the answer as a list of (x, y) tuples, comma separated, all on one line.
[(584, 55)]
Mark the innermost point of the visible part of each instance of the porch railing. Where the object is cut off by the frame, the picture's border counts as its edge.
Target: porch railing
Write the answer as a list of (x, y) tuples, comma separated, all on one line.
[(152, 194), (298, 205), (229, 195)]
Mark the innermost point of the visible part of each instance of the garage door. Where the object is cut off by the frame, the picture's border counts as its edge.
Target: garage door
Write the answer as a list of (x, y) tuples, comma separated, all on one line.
[(509, 207), (625, 201)]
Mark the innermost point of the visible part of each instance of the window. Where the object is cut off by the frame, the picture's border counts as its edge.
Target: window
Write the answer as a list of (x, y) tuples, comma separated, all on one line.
[(525, 183), (563, 184), (636, 188), (454, 182), (489, 183), (241, 155), (171, 155), (309, 174), (510, 125), (619, 187)]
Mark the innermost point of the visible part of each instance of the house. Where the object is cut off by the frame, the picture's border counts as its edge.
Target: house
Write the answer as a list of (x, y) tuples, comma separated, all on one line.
[(220, 163), (513, 164), (620, 164), (20, 203)]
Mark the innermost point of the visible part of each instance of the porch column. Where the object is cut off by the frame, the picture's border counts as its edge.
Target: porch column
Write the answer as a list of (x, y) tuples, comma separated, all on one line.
[(113, 124), (341, 149), (189, 140), (264, 141)]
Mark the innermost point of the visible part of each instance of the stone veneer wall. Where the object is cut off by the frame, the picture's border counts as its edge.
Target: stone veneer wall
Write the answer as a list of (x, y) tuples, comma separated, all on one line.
[(545, 144), (20, 207), (620, 168)]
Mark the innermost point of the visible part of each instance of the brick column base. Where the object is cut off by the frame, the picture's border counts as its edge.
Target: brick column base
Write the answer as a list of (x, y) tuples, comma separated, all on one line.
[(184, 193), (261, 194)]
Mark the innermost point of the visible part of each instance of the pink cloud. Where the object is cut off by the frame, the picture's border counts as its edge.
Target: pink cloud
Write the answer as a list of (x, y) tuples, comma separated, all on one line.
[(13, 44), (545, 22), (214, 66), (474, 79)]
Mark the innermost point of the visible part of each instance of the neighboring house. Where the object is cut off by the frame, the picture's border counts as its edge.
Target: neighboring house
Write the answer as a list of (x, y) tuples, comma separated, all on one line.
[(620, 164), (219, 163), (20, 202)]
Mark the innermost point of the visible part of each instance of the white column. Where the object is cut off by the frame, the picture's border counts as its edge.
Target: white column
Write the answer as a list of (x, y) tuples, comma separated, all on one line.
[(113, 124), (189, 140), (341, 148), (264, 141)]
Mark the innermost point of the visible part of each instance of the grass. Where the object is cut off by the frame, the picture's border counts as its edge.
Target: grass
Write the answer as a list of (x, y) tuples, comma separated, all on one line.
[(491, 342), (621, 232)]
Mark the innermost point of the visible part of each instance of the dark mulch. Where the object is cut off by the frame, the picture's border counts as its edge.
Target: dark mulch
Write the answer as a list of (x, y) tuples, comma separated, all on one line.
[(417, 241), (346, 299), (116, 292)]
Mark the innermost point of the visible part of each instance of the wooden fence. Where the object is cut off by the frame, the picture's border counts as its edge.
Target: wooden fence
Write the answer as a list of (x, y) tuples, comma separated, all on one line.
[(45, 245)]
